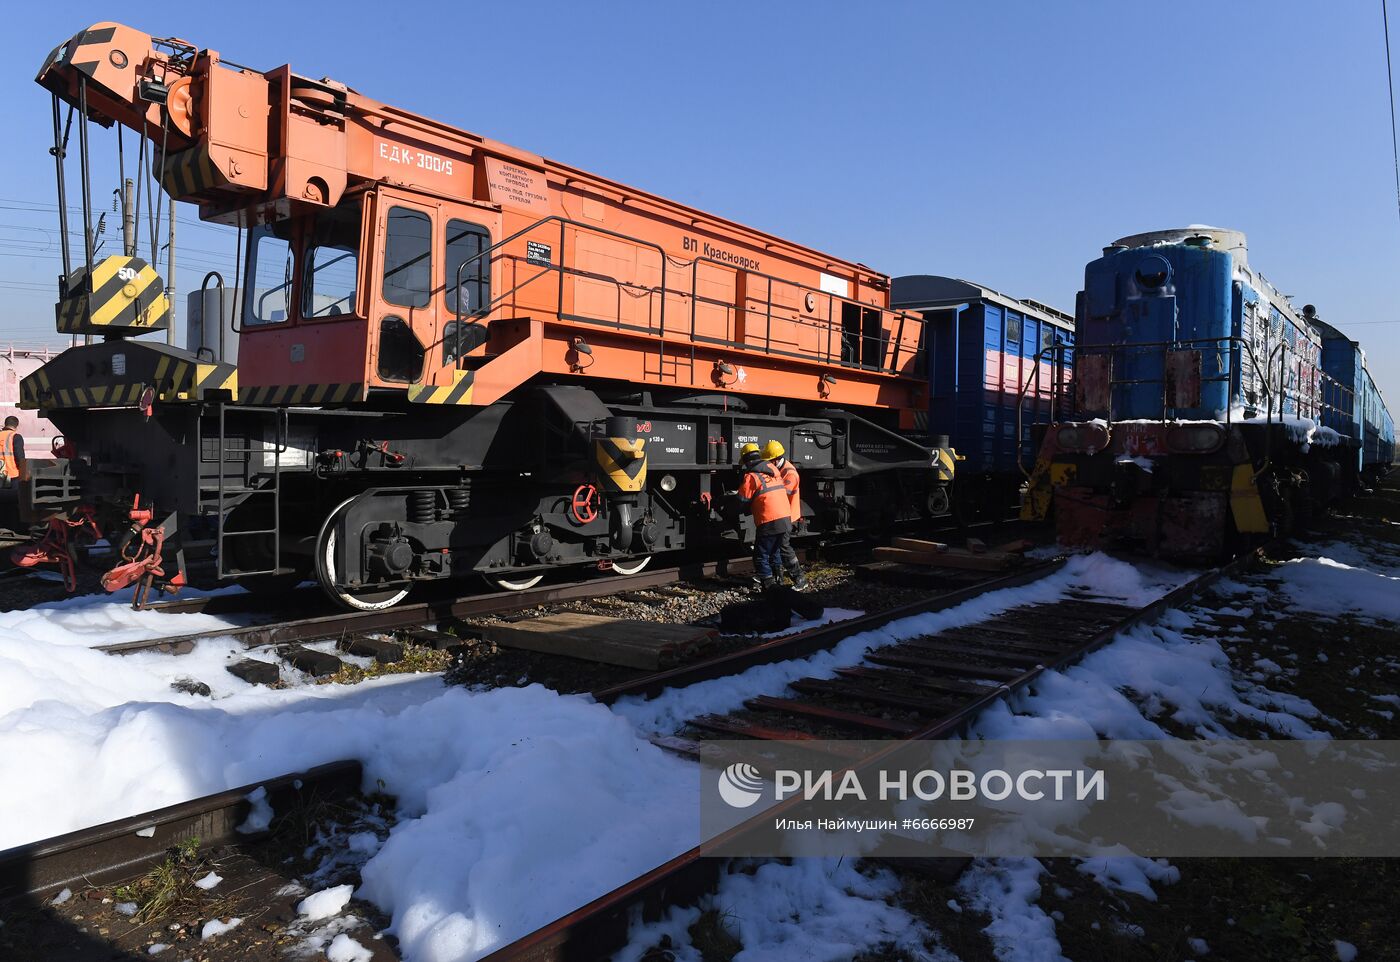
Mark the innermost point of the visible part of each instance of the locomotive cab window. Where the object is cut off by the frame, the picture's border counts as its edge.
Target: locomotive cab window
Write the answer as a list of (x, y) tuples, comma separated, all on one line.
[(332, 263), (465, 244), (268, 299), (408, 248)]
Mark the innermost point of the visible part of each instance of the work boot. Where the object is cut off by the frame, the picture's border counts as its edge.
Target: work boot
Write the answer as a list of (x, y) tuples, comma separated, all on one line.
[(768, 584), (799, 580)]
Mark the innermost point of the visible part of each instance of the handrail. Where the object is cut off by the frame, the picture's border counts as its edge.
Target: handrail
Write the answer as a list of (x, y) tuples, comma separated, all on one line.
[(664, 290), (1279, 391), (564, 222), (1057, 348), (203, 288), (802, 288)]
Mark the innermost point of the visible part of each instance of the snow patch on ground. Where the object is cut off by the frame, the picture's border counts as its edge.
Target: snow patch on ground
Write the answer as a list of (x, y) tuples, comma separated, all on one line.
[(1007, 890), (1324, 586), (345, 949), (325, 903), (217, 927), (807, 911), (479, 853)]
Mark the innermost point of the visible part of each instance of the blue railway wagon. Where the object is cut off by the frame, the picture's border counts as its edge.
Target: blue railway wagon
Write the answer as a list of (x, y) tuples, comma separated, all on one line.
[(1355, 408), (986, 352)]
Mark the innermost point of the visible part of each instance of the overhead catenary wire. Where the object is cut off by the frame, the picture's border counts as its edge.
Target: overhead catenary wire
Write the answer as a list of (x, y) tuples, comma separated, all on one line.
[(1390, 88)]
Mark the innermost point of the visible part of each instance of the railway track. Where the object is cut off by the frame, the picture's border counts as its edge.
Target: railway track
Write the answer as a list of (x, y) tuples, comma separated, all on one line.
[(123, 849), (338, 623), (370, 633), (924, 688)]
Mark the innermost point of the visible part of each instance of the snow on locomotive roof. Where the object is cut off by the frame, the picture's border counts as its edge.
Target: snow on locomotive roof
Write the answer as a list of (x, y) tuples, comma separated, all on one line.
[(1221, 238), (914, 291), (1232, 242)]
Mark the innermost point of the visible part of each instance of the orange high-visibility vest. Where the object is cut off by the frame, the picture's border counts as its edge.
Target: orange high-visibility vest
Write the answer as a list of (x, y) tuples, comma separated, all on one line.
[(8, 465), (767, 497), (793, 485)]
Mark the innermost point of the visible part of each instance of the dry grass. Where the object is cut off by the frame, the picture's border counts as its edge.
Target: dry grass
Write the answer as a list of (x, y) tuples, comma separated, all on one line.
[(169, 889)]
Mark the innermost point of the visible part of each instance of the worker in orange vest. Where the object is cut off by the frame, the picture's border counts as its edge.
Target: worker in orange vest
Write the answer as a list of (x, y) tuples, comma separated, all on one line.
[(763, 491), (776, 455), (13, 465)]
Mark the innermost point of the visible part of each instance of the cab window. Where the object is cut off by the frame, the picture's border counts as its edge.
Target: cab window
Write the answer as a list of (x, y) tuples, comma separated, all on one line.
[(332, 264), (408, 246), (465, 243), (269, 285)]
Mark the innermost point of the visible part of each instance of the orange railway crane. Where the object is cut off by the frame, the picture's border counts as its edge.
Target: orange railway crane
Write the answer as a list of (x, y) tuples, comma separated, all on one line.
[(454, 356)]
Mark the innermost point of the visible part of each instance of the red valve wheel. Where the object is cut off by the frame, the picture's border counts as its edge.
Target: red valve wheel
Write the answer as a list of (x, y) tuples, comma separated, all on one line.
[(584, 505)]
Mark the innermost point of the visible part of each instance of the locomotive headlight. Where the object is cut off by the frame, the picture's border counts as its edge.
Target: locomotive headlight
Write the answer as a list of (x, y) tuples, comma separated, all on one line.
[(1195, 438), (668, 482), (1083, 438), (1153, 272)]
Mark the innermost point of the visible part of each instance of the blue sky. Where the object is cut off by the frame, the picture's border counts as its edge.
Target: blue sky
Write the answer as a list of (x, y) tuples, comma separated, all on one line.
[(1005, 142)]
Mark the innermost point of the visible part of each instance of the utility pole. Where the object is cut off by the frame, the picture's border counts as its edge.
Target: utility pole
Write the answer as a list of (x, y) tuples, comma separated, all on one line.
[(170, 277), (128, 219)]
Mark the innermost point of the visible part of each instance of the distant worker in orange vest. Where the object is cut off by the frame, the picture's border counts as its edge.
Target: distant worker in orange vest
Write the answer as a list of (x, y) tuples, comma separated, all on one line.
[(775, 454), (763, 491), (13, 465)]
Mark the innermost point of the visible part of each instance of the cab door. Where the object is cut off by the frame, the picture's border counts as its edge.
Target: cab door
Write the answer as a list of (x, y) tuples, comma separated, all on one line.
[(403, 310), (466, 292)]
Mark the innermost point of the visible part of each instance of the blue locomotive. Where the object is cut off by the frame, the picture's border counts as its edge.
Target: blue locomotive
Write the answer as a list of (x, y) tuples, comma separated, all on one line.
[(1206, 407)]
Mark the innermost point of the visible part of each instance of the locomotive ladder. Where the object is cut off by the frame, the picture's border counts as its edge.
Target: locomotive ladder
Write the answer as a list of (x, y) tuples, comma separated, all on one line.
[(248, 491)]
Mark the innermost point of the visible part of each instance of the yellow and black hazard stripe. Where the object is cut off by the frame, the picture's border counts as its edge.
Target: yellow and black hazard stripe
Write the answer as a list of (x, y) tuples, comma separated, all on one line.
[(125, 296), (34, 388), (270, 394), (944, 463), (94, 396), (71, 51), (458, 392), (173, 380), (215, 377), (623, 462), (190, 172)]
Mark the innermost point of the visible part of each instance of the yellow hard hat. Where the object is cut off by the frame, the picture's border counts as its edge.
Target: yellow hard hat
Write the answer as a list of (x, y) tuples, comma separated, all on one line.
[(748, 449), (773, 450)]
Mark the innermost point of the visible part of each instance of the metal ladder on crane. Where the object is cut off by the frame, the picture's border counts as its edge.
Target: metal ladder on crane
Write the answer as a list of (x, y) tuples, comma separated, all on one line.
[(248, 491)]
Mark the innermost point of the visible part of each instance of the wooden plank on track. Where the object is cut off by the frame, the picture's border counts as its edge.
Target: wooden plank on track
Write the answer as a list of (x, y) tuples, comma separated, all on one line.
[(956, 687), (834, 716), (905, 658), (929, 705), (612, 641), (953, 649), (918, 544), (741, 728)]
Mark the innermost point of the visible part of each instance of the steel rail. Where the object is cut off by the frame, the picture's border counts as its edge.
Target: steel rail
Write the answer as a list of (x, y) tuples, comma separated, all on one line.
[(413, 615), (124, 848), (597, 929)]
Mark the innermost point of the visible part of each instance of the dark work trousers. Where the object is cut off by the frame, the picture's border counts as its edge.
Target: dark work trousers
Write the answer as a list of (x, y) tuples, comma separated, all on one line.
[(768, 547), (787, 554)]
